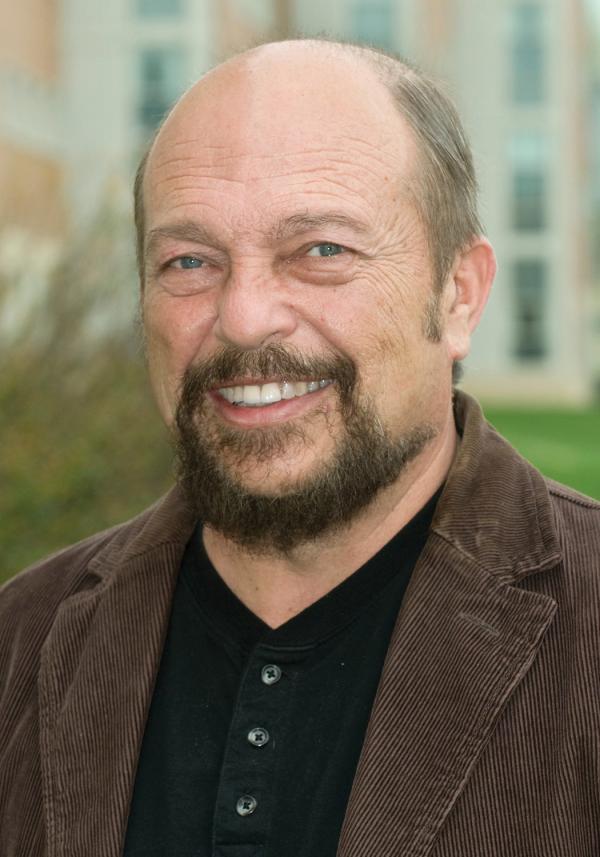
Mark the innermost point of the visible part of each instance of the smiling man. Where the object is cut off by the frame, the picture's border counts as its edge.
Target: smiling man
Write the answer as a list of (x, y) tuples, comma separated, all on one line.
[(361, 624)]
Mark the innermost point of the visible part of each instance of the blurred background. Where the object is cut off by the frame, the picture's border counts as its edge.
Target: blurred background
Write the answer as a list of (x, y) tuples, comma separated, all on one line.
[(83, 85)]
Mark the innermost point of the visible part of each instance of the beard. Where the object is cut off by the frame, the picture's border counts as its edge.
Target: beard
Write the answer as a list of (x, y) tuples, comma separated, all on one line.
[(212, 456)]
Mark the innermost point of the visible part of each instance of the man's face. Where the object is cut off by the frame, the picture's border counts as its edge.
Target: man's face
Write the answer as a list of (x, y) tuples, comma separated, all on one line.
[(288, 286)]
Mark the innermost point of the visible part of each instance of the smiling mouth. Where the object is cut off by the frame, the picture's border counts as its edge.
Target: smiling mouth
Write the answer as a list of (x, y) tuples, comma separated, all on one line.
[(260, 395)]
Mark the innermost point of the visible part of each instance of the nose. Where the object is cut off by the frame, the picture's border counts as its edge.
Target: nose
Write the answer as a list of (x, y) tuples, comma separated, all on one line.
[(253, 310)]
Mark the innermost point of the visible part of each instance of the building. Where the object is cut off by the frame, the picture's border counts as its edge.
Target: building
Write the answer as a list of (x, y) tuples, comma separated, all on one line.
[(31, 163), (30, 116)]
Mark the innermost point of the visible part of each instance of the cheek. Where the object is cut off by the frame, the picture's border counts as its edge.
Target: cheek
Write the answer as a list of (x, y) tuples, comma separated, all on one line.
[(393, 313), (384, 329), (397, 364), (174, 332)]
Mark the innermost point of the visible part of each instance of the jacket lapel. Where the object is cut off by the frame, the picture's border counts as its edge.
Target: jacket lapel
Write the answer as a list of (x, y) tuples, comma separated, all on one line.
[(467, 632), (96, 681), (462, 644)]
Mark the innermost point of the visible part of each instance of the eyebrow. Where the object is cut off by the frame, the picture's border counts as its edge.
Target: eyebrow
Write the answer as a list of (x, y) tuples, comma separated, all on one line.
[(299, 223), (186, 230), (194, 232)]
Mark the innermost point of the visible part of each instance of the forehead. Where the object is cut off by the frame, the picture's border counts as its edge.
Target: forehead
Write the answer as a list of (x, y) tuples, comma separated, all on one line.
[(254, 138)]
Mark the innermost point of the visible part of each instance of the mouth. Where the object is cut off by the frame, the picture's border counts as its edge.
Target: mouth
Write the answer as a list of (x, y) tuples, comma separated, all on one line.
[(270, 393)]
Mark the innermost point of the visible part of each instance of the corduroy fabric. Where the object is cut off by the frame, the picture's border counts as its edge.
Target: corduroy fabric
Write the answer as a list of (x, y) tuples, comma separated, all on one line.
[(484, 736)]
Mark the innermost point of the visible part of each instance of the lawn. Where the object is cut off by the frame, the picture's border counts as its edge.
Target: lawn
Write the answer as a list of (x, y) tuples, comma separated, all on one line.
[(563, 444)]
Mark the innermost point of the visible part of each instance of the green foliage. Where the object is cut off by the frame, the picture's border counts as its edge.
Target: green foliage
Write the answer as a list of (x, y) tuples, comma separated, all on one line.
[(82, 445), (74, 460)]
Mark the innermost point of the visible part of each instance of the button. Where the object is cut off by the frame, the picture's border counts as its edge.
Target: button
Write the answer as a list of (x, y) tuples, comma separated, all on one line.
[(246, 805), (270, 674), (259, 737)]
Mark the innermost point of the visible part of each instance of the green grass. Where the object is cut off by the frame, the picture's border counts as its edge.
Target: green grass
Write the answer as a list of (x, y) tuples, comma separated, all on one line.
[(563, 444)]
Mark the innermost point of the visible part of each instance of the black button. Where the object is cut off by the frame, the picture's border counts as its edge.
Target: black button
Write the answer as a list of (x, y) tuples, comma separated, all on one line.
[(258, 736), (246, 805), (270, 674)]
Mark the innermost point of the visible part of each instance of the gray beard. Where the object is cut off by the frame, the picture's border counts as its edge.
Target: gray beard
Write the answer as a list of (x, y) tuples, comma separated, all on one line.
[(365, 460)]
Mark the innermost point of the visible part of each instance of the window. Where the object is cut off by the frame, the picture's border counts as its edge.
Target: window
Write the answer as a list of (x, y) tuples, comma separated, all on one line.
[(373, 23), (530, 291), (528, 156), (529, 211), (159, 8), (162, 79), (528, 54)]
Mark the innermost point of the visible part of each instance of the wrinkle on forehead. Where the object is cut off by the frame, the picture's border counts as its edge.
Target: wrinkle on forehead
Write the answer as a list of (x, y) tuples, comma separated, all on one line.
[(359, 174), (339, 157), (338, 146), (239, 209)]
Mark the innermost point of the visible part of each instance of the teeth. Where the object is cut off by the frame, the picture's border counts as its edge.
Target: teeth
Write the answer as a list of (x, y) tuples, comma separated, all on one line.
[(270, 393), (253, 395)]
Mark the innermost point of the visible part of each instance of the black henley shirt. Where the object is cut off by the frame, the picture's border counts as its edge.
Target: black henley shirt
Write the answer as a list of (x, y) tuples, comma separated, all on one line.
[(254, 734)]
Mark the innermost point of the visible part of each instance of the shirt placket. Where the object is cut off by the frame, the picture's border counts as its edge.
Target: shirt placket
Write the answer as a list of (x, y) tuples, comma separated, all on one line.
[(257, 734)]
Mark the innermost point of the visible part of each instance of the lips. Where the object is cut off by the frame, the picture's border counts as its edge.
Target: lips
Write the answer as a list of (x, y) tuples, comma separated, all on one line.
[(261, 395)]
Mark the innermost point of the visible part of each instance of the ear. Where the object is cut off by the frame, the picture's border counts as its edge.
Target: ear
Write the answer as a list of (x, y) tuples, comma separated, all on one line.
[(466, 294)]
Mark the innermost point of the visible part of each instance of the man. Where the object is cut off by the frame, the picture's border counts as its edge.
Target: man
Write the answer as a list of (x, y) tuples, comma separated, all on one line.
[(245, 669)]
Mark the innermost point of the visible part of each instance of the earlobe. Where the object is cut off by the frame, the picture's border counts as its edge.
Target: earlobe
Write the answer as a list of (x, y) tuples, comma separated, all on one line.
[(469, 288)]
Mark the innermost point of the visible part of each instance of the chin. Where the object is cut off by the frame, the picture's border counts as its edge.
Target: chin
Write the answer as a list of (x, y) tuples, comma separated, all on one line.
[(277, 477)]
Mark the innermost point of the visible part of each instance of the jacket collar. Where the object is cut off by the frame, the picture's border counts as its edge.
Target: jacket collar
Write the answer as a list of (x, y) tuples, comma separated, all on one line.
[(495, 508), (167, 523)]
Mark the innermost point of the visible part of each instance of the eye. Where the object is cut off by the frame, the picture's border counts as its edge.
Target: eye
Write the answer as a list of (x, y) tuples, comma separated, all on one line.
[(187, 263), (326, 249)]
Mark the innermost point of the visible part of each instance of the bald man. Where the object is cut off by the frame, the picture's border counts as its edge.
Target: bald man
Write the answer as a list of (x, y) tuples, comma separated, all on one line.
[(360, 624)]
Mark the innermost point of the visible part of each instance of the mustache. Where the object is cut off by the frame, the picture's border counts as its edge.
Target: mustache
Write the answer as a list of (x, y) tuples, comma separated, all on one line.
[(231, 363)]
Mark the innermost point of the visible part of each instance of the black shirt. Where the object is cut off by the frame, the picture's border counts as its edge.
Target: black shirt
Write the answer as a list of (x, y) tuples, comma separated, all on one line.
[(254, 734)]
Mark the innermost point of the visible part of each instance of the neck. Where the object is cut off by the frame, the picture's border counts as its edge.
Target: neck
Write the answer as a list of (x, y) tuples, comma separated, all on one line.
[(276, 588)]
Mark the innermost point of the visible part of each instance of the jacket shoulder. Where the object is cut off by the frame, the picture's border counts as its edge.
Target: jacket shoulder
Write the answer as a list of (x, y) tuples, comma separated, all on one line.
[(577, 523), (575, 513), (563, 494), (30, 600)]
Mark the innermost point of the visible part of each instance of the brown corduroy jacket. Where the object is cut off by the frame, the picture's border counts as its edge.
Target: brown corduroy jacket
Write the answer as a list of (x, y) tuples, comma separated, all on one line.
[(484, 739)]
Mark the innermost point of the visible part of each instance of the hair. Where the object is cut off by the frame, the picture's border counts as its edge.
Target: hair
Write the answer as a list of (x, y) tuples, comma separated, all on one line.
[(445, 195), (446, 185), (138, 208)]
